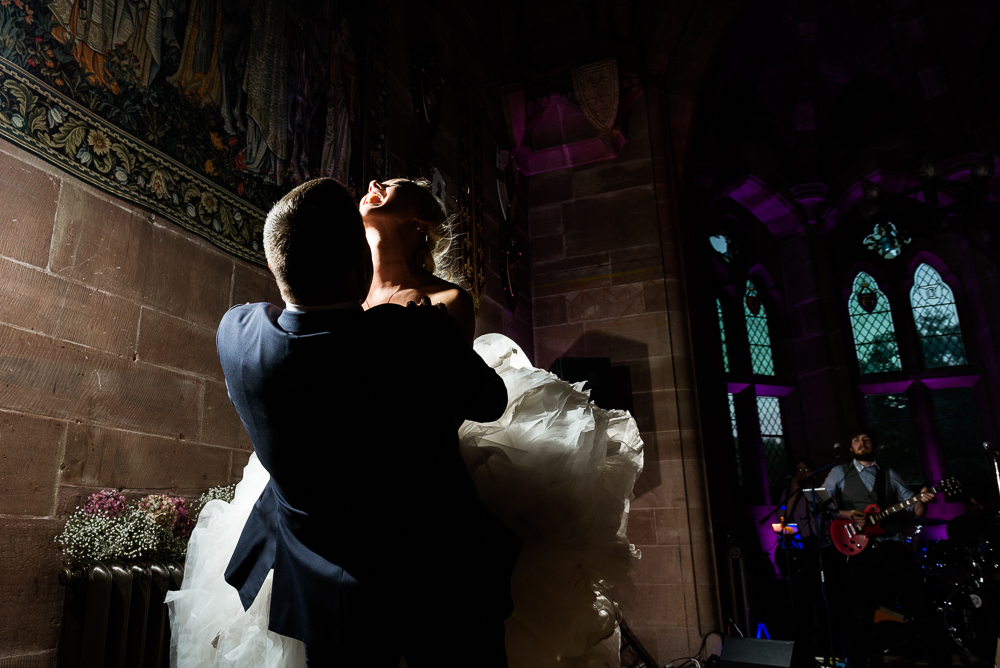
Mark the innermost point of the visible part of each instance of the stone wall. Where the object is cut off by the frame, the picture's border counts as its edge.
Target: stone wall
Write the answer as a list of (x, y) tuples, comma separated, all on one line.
[(600, 289), (109, 376), (463, 45)]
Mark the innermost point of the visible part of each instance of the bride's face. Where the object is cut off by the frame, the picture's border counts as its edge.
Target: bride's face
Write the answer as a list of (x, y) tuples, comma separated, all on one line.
[(386, 203)]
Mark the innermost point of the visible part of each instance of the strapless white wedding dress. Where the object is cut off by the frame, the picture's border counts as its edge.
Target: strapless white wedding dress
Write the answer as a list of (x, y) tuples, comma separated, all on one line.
[(558, 470)]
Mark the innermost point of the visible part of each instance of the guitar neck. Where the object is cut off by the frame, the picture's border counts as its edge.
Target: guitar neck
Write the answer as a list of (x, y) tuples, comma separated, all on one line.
[(899, 507)]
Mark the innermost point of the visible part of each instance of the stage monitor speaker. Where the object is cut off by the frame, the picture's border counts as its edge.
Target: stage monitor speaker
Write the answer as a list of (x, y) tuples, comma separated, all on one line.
[(610, 386), (752, 653)]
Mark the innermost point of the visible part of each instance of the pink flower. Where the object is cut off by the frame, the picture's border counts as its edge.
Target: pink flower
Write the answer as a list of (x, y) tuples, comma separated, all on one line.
[(107, 502), (183, 526), (160, 509)]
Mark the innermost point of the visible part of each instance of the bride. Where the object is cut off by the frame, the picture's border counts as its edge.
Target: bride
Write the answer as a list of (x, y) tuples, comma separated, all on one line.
[(556, 469)]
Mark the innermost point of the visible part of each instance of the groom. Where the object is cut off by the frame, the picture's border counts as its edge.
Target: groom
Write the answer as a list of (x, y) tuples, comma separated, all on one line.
[(379, 544)]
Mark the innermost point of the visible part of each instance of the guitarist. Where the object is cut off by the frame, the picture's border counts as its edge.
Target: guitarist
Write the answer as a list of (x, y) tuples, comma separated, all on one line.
[(886, 563)]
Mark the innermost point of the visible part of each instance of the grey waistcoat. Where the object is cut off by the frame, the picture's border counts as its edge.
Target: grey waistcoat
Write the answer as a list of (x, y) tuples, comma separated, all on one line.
[(855, 495)]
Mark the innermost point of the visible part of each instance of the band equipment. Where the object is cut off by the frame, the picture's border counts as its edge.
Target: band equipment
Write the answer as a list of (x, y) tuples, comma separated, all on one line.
[(752, 653), (849, 538)]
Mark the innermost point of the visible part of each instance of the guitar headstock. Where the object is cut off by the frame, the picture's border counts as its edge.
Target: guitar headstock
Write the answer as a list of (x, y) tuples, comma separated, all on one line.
[(949, 487)]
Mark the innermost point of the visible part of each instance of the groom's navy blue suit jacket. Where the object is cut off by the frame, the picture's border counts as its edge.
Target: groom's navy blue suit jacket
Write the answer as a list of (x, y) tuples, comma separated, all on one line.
[(370, 514)]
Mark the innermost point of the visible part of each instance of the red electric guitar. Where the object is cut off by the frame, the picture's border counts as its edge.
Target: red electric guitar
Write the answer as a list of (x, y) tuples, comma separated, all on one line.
[(851, 539)]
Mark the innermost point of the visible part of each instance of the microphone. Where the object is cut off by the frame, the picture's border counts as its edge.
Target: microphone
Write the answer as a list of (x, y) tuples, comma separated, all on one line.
[(836, 453)]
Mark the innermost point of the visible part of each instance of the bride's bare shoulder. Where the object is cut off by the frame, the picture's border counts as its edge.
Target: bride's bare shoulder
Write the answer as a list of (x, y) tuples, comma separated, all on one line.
[(459, 304)]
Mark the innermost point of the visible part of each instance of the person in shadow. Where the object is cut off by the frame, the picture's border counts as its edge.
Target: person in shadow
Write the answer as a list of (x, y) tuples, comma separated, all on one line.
[(379, 544)]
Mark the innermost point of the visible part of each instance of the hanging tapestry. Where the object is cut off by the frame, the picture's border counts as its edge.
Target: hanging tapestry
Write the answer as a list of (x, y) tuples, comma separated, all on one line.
[(204, 111)]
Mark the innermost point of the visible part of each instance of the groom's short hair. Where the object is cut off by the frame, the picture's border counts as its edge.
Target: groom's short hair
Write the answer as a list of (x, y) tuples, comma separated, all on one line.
[(315, 244)]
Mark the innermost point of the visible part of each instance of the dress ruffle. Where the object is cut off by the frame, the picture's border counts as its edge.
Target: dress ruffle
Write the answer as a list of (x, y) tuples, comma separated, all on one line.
[(557, 469), (208, 625)]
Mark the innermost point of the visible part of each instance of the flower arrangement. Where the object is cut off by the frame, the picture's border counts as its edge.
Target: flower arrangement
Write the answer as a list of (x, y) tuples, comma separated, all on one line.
[(156, 527)]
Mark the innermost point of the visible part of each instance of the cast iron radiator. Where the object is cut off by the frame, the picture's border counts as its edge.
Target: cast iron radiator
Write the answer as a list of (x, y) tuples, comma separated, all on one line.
[(114, 615)]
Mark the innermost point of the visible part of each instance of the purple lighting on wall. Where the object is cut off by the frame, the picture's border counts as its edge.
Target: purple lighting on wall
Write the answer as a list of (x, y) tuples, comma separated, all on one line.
[(773, 390), (950, 381), (766, 204), (895, 387)]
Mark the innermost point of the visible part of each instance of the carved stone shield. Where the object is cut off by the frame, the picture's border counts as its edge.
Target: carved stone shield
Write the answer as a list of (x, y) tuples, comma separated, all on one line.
[(596, 88)]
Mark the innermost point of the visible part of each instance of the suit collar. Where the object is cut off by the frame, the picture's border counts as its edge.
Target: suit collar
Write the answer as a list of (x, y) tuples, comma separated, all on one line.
[(312, 322)]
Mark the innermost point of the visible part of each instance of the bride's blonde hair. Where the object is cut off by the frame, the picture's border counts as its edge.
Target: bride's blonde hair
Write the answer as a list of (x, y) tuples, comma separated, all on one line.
[(432, 252)]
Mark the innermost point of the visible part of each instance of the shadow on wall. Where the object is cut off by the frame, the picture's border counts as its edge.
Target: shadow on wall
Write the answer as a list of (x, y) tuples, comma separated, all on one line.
[(634, 354)]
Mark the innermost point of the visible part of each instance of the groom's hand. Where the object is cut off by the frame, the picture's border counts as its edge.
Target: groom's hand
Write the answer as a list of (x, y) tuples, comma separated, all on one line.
[(439, 308), (426, 301)]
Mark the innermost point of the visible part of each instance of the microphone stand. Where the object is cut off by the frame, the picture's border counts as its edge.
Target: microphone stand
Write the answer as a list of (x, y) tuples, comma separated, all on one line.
[(992, 452), (818, 510)]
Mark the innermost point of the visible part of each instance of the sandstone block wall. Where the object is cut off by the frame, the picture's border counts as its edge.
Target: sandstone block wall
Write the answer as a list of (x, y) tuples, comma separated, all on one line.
[(108, 373), (600, 289)]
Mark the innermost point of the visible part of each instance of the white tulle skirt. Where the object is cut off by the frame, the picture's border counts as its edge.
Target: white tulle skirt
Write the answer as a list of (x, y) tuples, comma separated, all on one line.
[(558, 470)]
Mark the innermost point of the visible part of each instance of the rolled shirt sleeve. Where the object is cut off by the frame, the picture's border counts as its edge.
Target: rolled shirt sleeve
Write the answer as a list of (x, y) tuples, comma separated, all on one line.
[(834, 483), (902, 491)]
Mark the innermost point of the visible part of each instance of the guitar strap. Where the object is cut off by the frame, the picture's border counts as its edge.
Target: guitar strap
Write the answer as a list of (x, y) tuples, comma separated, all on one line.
[(881, 487)]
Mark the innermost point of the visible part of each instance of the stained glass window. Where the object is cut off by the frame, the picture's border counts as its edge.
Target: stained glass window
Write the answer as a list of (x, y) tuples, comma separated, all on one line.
[(890, 418), (874, 333), (722, 333), (736, 439), (936, 319), (757, 332), (961, 437), (773, 436)]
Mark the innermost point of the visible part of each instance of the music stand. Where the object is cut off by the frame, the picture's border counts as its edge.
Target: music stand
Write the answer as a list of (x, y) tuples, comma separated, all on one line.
[(820, 496)]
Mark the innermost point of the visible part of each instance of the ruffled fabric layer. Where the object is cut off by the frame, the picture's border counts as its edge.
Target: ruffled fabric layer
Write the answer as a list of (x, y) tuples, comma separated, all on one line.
[(557, 469), (208, 625)]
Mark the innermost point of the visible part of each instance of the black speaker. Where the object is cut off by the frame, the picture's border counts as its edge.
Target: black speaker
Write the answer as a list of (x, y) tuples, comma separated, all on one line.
[(610, 386), (752, 653)]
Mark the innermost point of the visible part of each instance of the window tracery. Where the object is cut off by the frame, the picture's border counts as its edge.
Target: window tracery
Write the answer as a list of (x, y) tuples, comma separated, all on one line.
[(936, 319), (871, 323), (759, 337)]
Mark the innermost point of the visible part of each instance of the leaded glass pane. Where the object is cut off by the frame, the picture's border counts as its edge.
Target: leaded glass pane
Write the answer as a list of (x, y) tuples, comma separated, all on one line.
[(890, 418), (722, 333), (773, 437), (961, 435), (736, 439), (874, 333), (936, 318), (757, 333)]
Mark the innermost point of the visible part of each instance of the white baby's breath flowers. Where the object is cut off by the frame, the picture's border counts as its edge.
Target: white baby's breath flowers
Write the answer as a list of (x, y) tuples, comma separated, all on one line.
[(134, 534)]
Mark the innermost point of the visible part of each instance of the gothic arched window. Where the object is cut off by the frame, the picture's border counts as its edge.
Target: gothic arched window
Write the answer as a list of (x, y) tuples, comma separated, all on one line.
[(874, 333), (722, 334), (773, 436), (936, 319), (757, 332)]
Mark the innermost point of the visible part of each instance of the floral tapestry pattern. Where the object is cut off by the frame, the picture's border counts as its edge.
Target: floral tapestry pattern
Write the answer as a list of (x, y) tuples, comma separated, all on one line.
[(205, 112)]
